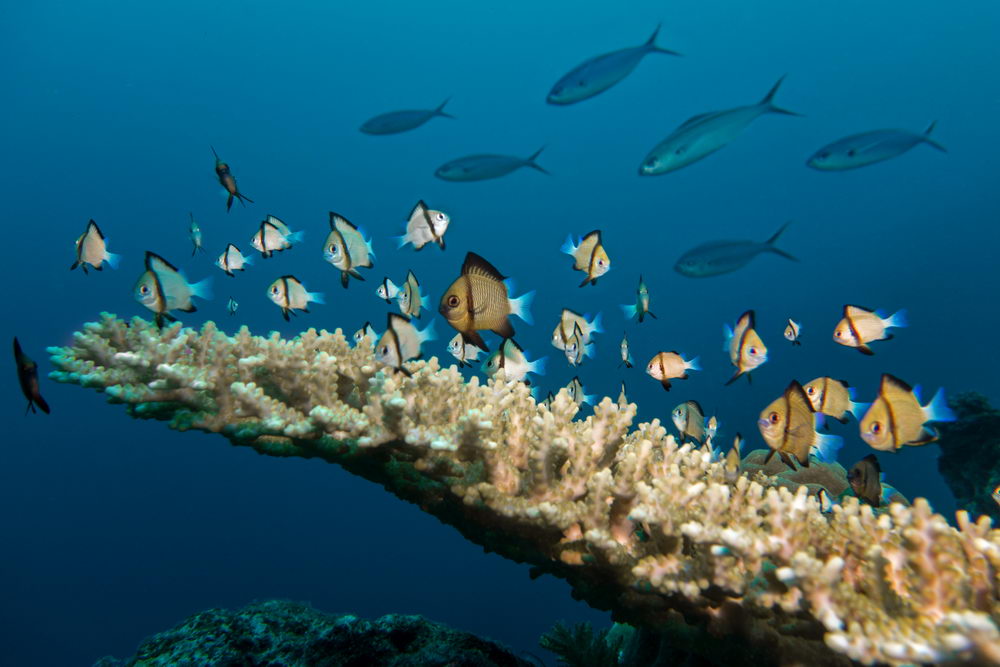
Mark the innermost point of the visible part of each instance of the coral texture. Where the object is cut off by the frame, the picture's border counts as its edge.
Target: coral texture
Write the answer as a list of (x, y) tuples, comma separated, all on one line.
[(635, 523)]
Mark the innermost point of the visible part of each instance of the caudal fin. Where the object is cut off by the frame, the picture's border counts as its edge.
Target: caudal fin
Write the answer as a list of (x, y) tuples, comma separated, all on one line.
[(778, 251), (440, 110), (530, 162), (826, 447), (768, 100), (897, 319), (202, 289), (113, 259), (629, 310), (653, 48), (932, 142), (521, 306), (937, 410), (315, 297)]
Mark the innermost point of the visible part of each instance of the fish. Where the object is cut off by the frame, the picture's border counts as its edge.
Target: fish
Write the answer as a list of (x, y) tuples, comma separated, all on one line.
[(547, 402), (575, 349), (588, 256), (289, 294), (792, 331), (387, 290), (896, 417), (569, 319), (514, 362), (732, 464), (861, 150), (861, 326), (92, 249), (746, 350), (232, 259), (711, 427), (486, 166), (641, 307), (424, 226), (466, 353), (626, 355), (703, 134), (826, 503), (366, 331), (996, 494), (575, 390), (479, 299), (788, 425), (865, 478), (717, 258), (401, 341), (667, 366), (395, 122), (689, 419), (274, 236), (622, 397), (410, 300), (27, 377), (834, 398), (194, 231), (595, 75), (347, 249), (162, 288), (228, 181), (232, 306)]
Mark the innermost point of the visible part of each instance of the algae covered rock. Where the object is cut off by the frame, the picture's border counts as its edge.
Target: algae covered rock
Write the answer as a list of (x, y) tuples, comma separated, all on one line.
[(970, 454)]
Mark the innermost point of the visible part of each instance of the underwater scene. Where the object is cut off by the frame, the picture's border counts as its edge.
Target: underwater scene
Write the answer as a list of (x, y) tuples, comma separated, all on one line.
[(638, 333)]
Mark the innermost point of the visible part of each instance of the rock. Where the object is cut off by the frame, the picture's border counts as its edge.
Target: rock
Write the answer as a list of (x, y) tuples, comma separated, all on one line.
[(970, 454)]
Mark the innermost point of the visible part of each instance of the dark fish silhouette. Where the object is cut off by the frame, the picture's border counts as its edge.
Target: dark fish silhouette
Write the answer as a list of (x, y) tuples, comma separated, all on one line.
[(228, 181), (27, 375)]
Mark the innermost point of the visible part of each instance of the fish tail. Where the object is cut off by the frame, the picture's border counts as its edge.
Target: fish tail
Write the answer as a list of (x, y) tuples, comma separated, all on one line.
[(40, 402), (440, 109), (937, 410), (425, 301), (248, 260), (315, 297), (427, 333), (629, 361), (531, 160), (538, 366), (692, 364), (113, 259), (858, 409), (295, 237), (629, 310), (202, 289), (826, 447), (368, 244), (927, 138), (774, 238), (653, 48), (595, 325), (727, 336), (897, 319), (768, 100), (589, 350), (229, 203), (521, 306), (402, 240)]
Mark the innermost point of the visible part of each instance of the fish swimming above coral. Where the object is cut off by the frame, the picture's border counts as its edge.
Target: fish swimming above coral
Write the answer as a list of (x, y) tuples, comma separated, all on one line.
[(716, 258), (162, 288), (365, 333), (194, 233), (575, 390), (896, 418), (595, 75), (228, 181), (588, 256), (689, 418), (410, 298), (788, 426), (701, 135), (865, 478), (401, 341), (667, 366), (27, 377), (347, 249), (289, 294), (512, 359), (641, 306), (394, 122), (425, 226), (745, 347), (232, 306), (485, 166), (273, 236), (568, 319), (861, 326), (834, 398), (861, 150), (576, 349), (232, 259), (464, 353), (626, 356), (92, 249)]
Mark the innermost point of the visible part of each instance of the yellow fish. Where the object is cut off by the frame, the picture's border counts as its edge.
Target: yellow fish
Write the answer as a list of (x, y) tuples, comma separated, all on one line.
[(834, 398), (792, 330), (347, 249), (228, 181), (162, 288), (896, 417), (92, 249), (588, 256), (733, 464), (641, 307), (410, 300), (274, 236), (861, 326), (746, 350), (667, 366), (401, 341), (788, 425), (689, 419), (289, 294)]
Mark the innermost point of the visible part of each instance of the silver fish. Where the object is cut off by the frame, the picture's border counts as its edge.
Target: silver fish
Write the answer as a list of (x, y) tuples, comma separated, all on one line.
[(232, 259), (464, 352), (162, 288), (92, 249), (232, 306), (485, 166), (424, 226), (401, 341), (394, 122), (195, 232), (718, 257), (861, 150), (274, 236), (289, 294), (367, 331)]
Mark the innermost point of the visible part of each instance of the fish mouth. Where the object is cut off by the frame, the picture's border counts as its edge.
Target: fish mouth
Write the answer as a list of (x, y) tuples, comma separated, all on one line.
[(763, 424)]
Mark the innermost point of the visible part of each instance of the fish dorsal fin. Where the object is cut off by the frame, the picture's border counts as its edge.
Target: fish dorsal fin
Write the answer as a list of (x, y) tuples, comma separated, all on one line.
[(476, 265), (422, 207), (410, 276), (843, 383), (751, 320), (697, 406), (92, 224), (338, 222), (874, 462), (694, 119), (393, 318), (156, 263), (892, 384), (513, 343), (851, 311), (277, 223)]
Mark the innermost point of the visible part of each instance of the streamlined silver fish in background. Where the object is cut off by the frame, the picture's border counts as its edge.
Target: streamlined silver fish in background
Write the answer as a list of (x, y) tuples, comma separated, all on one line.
[(700, 136), (861, 150), (718, 257), (395, 122), (485, 166), (599, 73)]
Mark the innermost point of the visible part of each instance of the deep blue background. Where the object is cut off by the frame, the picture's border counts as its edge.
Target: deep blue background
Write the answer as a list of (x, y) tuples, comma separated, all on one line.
[(114, 529)]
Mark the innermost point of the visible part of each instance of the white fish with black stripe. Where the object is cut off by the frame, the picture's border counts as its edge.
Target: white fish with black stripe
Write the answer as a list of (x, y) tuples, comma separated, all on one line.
[(232, 259), (289, 294), (92, 249), (401, 341), (162, 288), (514, 362), (274, 236), (425, 226)]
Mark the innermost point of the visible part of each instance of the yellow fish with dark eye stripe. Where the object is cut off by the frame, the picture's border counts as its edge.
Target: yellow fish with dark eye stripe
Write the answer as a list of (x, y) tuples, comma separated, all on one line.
[(834, 398), (667, 366), (788, 425), (588, 256), (347, 249), (746, 349), (861, 326), (896, 417), (91, 248)]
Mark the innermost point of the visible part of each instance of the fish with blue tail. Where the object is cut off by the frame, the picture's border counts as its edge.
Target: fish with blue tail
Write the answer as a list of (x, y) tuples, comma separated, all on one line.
[(365, 334), (641, 307), (861, 326), (861, 150), (485, 166), (410, 298), (569, 319), (401, 342), (394, 122), (162, 288), (273, 236), (92, 250), (744, 345), (788, 426), (575, 391), (896, 418), (194, 232), (510, 357), (689, 418), (626, 356), (347, 249), (464, 353), (716, 258), (425, 226), (228, 181), (232, 259), (588, 256), (667, 366), (576, 348), (289, 294), (834, 398), (792, 332)]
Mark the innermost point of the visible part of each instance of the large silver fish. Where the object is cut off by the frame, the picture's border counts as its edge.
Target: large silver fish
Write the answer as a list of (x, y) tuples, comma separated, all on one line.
[(718, 257), (700, 136), (599, 73), (485, 166), (860, 150), (394, 122)]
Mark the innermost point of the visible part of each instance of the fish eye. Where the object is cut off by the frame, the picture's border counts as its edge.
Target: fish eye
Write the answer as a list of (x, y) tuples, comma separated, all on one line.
[(810, 390), (876, 428), (274, 290), (753, 350), (440, 217), (773, 417), (453, 301), (679, 151), (851, 153), (651, 162), (824, 155), (143, 290)]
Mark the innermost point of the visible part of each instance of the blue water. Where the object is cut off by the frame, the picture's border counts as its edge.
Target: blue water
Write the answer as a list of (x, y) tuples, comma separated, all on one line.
[(114, 529)]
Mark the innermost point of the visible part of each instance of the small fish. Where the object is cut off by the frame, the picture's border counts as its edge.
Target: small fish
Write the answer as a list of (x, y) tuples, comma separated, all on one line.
[(861, 326), (666, 366), (576, 349), (716, 258), (865, 478), (641, 307), (27, 377), (689, 419), (194, 231), (162, 288), (834, 398), (996, 494), (826, 503), (347, 249), (466, 353), (387, 290), (896, 417), (575, 390), (228, 181), (588, 256), (792, 331), (289, 294), (401, 341), (480, 299), (626, 355), (410, 300), (569, 319), (92, 249), (511, 358), (486, 166), (622, 398), (746, 350), (597, 74), (861, 150), (232, 306), (548, 400), (788, 425), (274, 236), (423, 226), (711, 427), (703, 134), (232, 259), (366, 331), (732, 465), (394, 122)]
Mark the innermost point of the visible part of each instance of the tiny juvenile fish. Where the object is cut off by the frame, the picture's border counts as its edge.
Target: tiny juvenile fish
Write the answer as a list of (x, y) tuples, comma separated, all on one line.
[(410, 299), (401, 341), (232, 306), (626, 355), (485, 166), (395, 122), (274, 236), (387, 290), (792, 331), (547, 401), (194, 231), (826, 503), (425, 226), (228, 181), (289, 294), (92, 249), (575, 349), (622, 397), (27, 377), (575, 391), (641, 307), (788, 425), (861, 326), (569, 319), (746, 350), (479, 299), (861, 150), (511, 358), (896, 417), (347, 249), (232, 259), (716, 258), (464, 352), (711, 427), (162, 288), (834, 398), (733, 464), (689, 419), (865, 478), (588, 256), (667, 366), (367, 331)]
